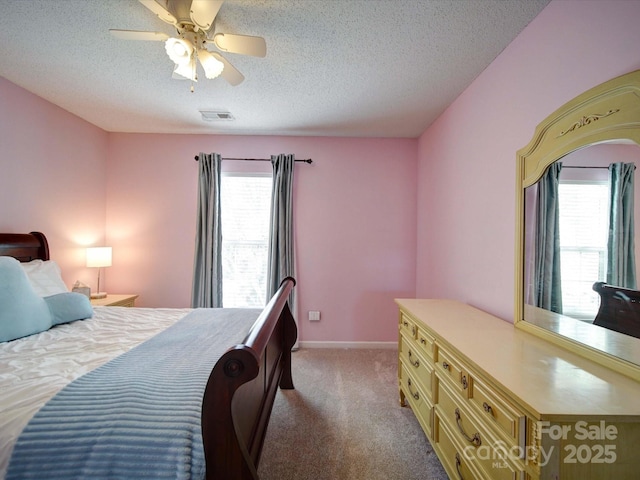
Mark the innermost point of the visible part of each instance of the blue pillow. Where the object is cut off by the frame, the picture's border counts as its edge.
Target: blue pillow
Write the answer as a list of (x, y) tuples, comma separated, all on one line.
[(22, 311), (69, 306)]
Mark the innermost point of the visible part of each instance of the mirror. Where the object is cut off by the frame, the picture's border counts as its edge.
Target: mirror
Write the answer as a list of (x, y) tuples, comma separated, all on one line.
[(597, 128)]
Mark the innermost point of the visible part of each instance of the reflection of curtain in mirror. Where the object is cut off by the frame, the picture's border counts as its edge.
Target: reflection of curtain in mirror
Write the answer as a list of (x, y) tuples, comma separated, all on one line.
[(530, 207), (548, 291), (621, 262)]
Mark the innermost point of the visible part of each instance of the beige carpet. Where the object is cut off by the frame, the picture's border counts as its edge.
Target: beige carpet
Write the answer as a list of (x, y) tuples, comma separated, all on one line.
[(344, 422)]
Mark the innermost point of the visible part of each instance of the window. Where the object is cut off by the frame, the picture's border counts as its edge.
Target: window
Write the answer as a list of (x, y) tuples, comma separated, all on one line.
[(584, 226), (245, 205)]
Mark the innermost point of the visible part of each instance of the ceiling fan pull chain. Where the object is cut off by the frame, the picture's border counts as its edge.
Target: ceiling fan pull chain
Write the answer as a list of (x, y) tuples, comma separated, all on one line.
[(194, 78)]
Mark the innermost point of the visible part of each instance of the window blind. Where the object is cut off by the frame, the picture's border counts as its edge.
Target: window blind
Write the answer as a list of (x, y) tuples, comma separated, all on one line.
[(583, 224), (245, 205)]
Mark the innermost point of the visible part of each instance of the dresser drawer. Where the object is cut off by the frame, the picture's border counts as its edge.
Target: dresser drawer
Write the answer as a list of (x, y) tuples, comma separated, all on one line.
[(498, 412), (455, 461), (426, 342), (468, 429), (420, 368), (449, 367), (408, 327), (419, 401), (475, 440)]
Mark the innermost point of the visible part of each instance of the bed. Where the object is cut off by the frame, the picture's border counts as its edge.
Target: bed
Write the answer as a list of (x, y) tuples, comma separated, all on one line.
[(619, 309), (234, 387)]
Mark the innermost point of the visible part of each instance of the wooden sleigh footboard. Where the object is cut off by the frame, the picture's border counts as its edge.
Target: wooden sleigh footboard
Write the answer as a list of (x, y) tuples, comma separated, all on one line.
[(241, 391)]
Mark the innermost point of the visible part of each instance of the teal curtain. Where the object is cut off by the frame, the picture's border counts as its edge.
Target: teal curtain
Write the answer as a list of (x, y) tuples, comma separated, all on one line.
[(207, 266), (548, 280), (621, 260), (281, 260)]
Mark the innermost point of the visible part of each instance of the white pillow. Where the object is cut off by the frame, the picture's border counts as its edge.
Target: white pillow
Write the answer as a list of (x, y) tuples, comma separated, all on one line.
[(45, 277)]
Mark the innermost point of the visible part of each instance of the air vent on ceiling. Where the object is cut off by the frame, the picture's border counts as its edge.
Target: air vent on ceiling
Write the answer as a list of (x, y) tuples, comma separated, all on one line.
[(213, 116)]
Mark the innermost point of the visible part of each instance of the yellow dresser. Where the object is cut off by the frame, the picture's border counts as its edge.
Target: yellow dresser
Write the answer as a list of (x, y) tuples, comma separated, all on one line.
[(499, 403)]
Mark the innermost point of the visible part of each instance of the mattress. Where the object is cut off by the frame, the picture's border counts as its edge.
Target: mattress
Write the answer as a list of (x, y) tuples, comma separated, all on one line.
[(33, 369)]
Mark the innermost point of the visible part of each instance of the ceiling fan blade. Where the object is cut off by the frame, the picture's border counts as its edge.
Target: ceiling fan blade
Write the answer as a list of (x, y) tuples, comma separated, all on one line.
[(242, 44), (137, 35), (203, 12), (230, 73), (162, 13)]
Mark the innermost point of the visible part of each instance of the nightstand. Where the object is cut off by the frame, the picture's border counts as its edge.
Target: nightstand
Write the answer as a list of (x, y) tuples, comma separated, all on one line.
[(115, 301)]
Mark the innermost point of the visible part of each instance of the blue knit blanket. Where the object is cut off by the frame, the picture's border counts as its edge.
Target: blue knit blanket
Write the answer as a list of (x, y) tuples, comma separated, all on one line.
[(138, 416)]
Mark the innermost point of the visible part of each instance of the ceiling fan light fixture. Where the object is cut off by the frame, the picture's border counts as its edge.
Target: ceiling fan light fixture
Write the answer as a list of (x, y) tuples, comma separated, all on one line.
[(179, 50), (195, 29), (186, 70), (211, 65)]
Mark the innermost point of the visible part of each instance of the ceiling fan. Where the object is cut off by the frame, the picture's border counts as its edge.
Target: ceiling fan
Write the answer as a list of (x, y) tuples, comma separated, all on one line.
[(194, 22)]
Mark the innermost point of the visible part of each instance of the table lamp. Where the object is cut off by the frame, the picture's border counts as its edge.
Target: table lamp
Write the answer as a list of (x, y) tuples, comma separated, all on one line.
[(99, 257)]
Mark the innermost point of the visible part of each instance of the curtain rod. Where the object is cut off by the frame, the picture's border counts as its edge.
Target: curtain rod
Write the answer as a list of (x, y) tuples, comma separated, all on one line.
[(306, 160), (579, 166)]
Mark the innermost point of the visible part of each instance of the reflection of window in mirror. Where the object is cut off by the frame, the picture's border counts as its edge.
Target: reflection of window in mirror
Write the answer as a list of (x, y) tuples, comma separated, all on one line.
[(563, 262), (584, 213), (583, 226)]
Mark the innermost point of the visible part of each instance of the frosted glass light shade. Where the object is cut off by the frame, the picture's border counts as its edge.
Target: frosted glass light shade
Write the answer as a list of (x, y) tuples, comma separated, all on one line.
[(211, 65), (99, 257), (186, 70), (179, 50)]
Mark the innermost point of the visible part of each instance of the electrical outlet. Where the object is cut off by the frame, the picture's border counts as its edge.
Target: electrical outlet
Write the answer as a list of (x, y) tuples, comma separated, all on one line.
[(314, 316)]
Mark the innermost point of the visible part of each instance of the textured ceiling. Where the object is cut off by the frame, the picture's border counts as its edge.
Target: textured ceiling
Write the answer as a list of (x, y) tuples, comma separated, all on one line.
[(371, 68)]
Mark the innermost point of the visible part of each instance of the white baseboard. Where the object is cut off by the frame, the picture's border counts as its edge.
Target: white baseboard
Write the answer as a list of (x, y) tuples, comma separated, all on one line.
[(362, 345)]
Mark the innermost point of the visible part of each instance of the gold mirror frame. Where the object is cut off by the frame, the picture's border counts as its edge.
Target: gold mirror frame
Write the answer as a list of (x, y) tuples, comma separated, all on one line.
[(608, 113)]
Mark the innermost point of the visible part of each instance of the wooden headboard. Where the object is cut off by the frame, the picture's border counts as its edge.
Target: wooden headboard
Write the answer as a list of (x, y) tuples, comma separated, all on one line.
[(24, 246), (619, 309)]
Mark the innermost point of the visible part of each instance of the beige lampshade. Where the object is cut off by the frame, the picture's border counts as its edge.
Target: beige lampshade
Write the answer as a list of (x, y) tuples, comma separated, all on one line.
[(99, 257)]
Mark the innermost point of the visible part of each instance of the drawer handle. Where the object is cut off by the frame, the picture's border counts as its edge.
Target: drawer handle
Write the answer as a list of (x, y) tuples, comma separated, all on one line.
[(423, 341), (464, 382), (405, 323), (445, 365), (458, 464), (415, 363), (475, 438), (487, 408), (415, 395), (413, 331)]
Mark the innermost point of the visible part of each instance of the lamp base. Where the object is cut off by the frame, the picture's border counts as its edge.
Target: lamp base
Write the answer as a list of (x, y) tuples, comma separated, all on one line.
[(99, 295)]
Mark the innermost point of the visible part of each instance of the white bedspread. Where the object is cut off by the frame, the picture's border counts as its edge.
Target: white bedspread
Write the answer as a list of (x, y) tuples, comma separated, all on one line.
[(34, 368)]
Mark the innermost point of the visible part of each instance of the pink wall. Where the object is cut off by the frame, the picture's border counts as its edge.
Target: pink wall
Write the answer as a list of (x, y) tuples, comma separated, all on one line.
[(466, 159), (52, 169), (355, 223)]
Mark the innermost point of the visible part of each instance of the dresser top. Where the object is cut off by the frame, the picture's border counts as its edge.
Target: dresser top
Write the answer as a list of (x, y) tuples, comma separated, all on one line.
[(549, 380)]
